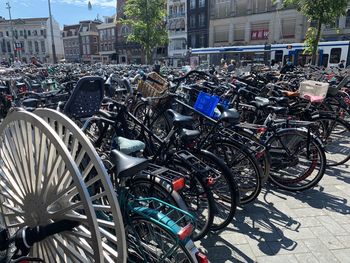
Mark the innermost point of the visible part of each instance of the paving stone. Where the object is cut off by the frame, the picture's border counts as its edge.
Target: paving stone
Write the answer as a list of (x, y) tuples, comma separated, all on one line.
[(343, 255), (278, 259), (300, 234), (306, 258), (332, 226), (288, 247)]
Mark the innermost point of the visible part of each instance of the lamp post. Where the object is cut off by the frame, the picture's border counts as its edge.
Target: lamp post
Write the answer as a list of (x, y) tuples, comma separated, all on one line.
[(52, 36), (12, 32)]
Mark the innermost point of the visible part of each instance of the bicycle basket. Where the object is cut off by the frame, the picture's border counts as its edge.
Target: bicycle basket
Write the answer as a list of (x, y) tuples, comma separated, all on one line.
[(313, 88), (149, 88), (206, 103)]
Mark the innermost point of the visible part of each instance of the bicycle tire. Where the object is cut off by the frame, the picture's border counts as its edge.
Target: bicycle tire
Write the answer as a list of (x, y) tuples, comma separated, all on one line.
[(334, 132), (248, 193), (181, 254), (196, 190), (296, 139), (225, 190)]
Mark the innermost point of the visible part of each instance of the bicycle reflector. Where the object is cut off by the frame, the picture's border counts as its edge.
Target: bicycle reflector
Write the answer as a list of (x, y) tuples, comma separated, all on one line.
[(201, 257), (261, 130), (185, 232), (179, 184)]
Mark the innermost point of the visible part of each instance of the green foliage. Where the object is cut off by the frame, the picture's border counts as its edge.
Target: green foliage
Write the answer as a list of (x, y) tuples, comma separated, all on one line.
[(320, 11), (147, 19), (325, 11), (310, 40)]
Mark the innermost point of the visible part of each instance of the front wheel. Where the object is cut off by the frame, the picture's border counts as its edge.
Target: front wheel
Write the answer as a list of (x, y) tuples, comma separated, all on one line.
[(298, 160)]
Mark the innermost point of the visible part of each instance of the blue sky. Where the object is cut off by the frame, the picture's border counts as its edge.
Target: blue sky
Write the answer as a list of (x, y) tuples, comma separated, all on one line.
[(64, 11)]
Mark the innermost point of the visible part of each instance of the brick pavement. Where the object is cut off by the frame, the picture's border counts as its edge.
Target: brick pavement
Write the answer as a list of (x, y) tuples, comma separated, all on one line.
[(312, 226)]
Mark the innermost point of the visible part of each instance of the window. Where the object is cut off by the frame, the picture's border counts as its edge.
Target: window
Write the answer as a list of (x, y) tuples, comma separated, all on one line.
[(171, 10), (278, 55), (7, 33), (193, 41), (43, 48), (325, 60), (201, 3), (335, 55), (9, 47), (239, 32), (21, 33), (1, 34), (288, 28), (29, 33), (192, 4), (347, 21), (201, 20), (222, 8), (182, 8), (221, 33), (35, 32), (241, 7), (41, 32), (36, 46), (201, 40), (30, 47), (259, 6), (192, 21)]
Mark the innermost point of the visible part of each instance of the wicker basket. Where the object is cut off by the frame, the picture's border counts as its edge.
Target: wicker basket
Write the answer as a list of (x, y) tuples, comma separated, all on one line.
[(150, 88)]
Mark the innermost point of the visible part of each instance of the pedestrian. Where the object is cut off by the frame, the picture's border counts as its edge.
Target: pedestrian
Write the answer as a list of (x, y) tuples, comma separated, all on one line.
[(4, 62), (341, 64), (36, 62), (232, 66), (223, 64), (288, 67), (17, 63)]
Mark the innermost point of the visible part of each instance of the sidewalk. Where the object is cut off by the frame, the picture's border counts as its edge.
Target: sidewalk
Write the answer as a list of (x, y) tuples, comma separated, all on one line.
[(312, 226)]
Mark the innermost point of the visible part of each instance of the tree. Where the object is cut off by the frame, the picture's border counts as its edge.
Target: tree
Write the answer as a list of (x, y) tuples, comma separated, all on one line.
[(322, 12), (146, 17)]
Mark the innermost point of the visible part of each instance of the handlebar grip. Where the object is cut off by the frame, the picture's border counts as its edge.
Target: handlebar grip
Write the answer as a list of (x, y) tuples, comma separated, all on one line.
[(39, 233)]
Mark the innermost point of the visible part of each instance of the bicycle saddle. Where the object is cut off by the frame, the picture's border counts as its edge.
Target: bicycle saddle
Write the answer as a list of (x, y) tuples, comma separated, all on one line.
[(127, 166), (231, 116), (278, 110), (30, 103), (189, 135), (260, 102), (179, 119), (279, 100)]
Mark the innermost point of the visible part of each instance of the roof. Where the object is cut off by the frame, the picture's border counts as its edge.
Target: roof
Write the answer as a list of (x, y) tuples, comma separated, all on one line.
[(24, 20)]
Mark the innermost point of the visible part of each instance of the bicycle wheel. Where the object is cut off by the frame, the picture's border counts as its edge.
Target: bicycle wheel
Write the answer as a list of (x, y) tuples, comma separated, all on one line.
[(198, 199), (335, 135), (243, 166), (152, 243), (225, 189), (95, 179), (298, 160), (40, 184)]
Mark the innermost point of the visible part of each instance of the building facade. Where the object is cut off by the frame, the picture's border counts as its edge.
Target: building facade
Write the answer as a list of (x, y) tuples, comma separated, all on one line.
[(340, 30), (89, 39), (107, 32), (197, 23), (31, 37), (244, 22), (127, 52), (177, 31), (71, 43)]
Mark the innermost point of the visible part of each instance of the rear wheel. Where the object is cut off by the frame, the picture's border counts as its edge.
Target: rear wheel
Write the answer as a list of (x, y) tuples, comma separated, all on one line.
[(243, 166), (152, 243), (298, 160)]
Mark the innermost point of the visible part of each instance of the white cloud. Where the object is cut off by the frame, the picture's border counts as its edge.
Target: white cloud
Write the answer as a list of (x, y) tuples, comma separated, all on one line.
[(101, 3)]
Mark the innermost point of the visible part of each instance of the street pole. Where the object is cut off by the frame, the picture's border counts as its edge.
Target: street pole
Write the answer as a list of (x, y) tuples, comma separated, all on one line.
[(52, 36), (12, 32)]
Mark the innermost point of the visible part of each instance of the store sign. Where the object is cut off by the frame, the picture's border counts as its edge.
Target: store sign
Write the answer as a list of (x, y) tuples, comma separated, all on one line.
[(260, 34)]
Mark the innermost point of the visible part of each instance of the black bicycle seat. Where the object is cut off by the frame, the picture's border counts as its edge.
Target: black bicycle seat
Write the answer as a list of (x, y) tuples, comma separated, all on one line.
[(30, 103), (278, 110), (231, 116), (279, 100), (127, 166), (179, 119), (189, 135)]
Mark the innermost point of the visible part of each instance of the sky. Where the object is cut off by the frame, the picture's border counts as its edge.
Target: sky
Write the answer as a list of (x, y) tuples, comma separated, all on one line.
[(64, 11)]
